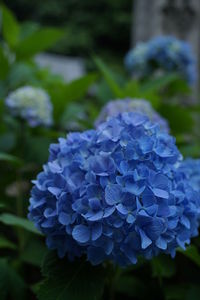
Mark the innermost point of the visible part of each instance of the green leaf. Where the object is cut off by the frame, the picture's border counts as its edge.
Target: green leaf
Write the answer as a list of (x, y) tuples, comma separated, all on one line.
[(163, 266), (175, 292), (191, 150), (63, 94), (11, 27), (131, 286), (156, 84), (78, 88), (72, 116), (38, 41), (4, 64), (12, 220), (151, 97), (108, 76), (12, 286), (7, 141), (28, 28), (21, 73), (180, 118), (103, 93), (3, 279), (132, 89), (193, 292), (10, 158), (179, 87), (37, 148), (34, 252), (67, 280), (192, 253), (4, 243), (58, 98)]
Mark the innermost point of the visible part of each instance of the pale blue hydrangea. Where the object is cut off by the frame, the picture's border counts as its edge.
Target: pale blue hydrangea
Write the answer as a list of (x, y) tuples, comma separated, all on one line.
[(191, 168), (163, 53), (114, 194), (114, 107), (136, 60), (31, 104)]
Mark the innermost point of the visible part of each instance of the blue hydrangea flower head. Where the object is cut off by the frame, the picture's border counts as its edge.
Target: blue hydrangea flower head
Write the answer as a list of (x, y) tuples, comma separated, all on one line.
[(31, 104), (114, 194), (162, 53), (115, 107), (136, 60), (191, 168)]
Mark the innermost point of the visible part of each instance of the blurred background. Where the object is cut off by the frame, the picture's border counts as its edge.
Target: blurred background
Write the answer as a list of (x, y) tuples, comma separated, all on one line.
[(83, 54), (103, 27)]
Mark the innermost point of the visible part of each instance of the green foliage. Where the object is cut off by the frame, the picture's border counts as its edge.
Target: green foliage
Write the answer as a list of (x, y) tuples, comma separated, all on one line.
[(180, 118), (26, 42), (7, 142), (23, 150), (84, 29), (131, 286), (37, 41), (192, 253), (151, 89), (66, 93), (10, 27), (12, 220), (34, 252), (11, 283), (76, 89), (10, 158), (5, 243), (114, 87), (163, 267), (67, 280), (4, 64), (160, 82)]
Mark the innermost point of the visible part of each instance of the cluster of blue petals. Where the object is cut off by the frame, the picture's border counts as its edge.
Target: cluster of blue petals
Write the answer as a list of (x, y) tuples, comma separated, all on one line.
[(191, 168), (115, 107), (114, 194), (165, 53)]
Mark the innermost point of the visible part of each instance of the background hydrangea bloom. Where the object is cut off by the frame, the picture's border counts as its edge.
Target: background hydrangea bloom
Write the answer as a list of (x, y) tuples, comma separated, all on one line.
[(111, 193), (191, 168), (113, 108), (32, 104), (165, 53), (136, 60)]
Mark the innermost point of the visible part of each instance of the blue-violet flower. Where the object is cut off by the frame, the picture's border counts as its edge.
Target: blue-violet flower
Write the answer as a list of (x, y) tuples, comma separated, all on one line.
[(114, 107), (191, 168), (162, 53), (114, 194)]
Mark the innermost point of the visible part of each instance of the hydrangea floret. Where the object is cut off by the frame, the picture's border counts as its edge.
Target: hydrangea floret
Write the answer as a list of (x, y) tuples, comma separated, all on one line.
[(115, 107), (31, 104), (162, 53), (191, 168), (114, 194)]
